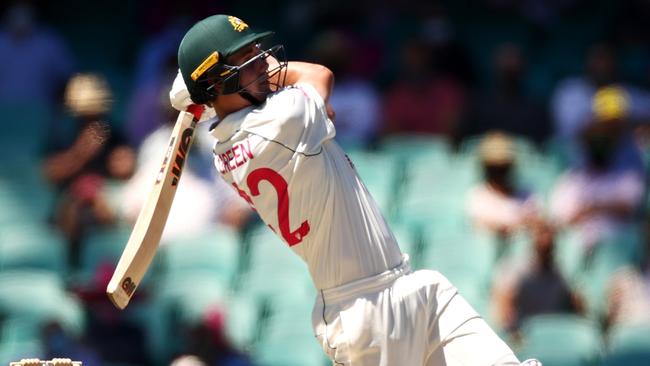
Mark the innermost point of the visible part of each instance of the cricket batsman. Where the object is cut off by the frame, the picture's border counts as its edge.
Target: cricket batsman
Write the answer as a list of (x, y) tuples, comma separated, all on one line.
[(274, 145)]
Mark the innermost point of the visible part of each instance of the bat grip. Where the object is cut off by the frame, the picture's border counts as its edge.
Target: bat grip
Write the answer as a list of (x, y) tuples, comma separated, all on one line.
[(196, 110)]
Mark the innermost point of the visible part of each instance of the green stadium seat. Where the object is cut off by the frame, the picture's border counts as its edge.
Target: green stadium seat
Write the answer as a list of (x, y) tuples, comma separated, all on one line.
[(24, 202), (24, 129), (434, 190), (102, 246), (11, 351), (628, 345), (412, 146), (273, 270), (433, 196), (178, 301), (466, 258), (570, 255), (242, 321), (34, 245), (558, 152), (408, 237), (561, 340), (380, 173), (215, 250), (538, 174), (39, 296), (286, 349), (612, 253), (518, 245), (287, 337)]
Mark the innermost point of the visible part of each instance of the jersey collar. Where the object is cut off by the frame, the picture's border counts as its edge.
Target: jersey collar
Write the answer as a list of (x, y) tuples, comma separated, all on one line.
[(224, 129)]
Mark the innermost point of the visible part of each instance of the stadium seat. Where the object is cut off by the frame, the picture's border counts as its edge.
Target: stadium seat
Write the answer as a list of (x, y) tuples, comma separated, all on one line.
[(409, 238), (466, 258), (24, 128), (273, 269), (215, 250), (612, 253), (102, 246), (407, 146), (380, 172), (570, 255), (628, 345), (287, 349), (287, 337), (537, 174), (11, 351), (24, 200), (561, 340), (34, 245), (180, 300), (39, 297), (558, 152), (242, 321)]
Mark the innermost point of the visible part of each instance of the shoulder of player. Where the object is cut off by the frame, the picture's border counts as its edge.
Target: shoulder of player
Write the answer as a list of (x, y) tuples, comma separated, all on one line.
[(287, 105), (298, 94)]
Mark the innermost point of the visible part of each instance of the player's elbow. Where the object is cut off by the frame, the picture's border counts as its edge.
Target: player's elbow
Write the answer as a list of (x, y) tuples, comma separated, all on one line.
[(319, 76), (325, 80), (325, 73)]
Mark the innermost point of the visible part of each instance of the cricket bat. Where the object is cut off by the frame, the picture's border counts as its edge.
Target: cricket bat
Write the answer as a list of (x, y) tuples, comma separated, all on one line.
[(144, 239)]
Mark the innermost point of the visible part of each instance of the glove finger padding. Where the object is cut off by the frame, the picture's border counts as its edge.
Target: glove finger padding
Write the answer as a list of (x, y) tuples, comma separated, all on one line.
[(180, 98)]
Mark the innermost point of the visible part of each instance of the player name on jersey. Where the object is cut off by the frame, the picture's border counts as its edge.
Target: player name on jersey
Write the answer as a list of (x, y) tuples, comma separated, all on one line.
[(234, 157)]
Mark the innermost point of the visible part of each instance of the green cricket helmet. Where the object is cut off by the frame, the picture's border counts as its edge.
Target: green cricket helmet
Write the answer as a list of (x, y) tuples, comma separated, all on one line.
[(204, 50)]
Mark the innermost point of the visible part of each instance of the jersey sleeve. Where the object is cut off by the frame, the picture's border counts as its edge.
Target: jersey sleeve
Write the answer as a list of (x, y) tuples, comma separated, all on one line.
[(296, 118)]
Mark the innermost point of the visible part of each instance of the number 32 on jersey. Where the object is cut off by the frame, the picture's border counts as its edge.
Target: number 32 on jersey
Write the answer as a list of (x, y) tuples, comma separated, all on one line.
[(280, 185)]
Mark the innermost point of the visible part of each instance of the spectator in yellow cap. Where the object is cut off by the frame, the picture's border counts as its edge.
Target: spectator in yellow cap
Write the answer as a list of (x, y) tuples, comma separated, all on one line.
[(602, 195)]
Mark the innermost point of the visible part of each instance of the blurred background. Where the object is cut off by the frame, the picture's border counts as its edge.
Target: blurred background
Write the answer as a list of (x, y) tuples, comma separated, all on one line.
[(506, 142)]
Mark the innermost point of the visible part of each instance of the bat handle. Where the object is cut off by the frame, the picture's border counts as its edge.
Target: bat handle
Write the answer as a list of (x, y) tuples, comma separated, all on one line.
[(196, 110)]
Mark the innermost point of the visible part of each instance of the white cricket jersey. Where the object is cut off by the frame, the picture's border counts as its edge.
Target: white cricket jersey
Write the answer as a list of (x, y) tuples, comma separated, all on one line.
[(282, 158)]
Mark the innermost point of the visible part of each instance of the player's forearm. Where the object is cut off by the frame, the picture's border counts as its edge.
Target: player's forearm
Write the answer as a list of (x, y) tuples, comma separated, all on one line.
[(319, 76)]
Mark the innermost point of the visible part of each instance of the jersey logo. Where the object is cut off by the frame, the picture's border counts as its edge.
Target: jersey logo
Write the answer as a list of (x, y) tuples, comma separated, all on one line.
[(237, 23)]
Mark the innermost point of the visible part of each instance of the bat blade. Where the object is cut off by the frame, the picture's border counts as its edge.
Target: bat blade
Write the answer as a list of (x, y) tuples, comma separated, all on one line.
[(145, 236)]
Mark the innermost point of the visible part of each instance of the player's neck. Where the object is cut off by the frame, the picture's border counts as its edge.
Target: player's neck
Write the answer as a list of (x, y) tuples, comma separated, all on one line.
[(227, 104)]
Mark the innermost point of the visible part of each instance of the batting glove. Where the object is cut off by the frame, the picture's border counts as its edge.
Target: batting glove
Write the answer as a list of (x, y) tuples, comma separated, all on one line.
[(180, 98)]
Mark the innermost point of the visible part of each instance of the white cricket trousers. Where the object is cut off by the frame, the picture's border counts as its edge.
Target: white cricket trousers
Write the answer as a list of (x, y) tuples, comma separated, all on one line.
[(404, 318)]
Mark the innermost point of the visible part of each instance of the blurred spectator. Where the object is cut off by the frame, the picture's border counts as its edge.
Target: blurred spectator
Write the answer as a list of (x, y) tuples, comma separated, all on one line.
[(208, 344), (155, 69), (497, 205), (420, 100), (507, 107), (79, 169), (354, 99), (109, 329), (603, 195), (528, 286), (628, 297), (572, 101), (541, 13), (144, 113), (187, 360), (58, 343), (200, 192), (34, 61)]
